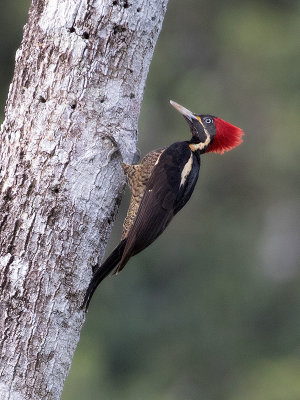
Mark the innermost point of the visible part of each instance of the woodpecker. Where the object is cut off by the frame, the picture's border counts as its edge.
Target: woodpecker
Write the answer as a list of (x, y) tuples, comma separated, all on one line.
[(161, 185)]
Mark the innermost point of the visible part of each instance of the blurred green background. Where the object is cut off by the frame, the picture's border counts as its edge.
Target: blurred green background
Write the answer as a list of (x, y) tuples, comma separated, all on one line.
[(211, 310)]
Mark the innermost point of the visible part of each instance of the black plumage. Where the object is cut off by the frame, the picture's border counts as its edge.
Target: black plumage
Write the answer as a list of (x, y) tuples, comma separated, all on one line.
[(163, 198)]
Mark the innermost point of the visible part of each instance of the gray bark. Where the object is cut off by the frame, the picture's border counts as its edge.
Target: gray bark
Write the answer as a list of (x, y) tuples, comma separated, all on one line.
[(71, 118)]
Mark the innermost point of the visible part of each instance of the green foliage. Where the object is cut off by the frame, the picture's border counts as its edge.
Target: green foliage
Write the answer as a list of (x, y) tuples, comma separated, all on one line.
[(211, 310), (271, 380)]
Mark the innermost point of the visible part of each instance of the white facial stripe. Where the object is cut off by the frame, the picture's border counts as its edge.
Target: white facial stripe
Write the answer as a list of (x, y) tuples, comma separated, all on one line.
[(201, 145), (186, 170)]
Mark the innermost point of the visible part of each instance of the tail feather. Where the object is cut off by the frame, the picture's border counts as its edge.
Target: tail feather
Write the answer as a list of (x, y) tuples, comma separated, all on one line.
[(105, 269)]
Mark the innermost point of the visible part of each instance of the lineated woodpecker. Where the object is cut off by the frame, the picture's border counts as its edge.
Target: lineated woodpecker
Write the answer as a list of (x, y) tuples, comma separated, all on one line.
[(162, 184)]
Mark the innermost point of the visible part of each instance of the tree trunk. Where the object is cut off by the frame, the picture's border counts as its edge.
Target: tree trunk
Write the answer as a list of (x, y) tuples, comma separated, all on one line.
[(71, 118)]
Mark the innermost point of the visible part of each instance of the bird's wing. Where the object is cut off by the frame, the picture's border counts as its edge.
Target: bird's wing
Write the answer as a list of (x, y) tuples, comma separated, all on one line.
[(137, 179), (162, 195)]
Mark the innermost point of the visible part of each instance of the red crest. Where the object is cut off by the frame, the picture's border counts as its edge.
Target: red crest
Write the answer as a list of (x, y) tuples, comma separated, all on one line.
[(227, 137)]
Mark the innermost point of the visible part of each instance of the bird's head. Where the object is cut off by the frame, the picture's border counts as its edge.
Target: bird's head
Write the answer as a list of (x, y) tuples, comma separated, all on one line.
[(209, 133)]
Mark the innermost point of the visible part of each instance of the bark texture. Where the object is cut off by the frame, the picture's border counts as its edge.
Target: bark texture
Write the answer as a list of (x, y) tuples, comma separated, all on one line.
[(71, 118)]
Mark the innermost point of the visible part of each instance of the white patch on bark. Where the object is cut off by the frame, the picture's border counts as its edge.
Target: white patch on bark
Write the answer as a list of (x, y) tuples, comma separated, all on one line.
[(7, 394), (19, 270), (60, 11)]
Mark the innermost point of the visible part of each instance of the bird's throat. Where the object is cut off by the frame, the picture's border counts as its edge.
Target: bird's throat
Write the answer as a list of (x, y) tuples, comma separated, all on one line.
[(200, 146)]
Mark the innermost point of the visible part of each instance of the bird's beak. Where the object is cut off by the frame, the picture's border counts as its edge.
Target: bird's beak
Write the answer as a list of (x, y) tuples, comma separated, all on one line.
[(184, 111), (195, 123)]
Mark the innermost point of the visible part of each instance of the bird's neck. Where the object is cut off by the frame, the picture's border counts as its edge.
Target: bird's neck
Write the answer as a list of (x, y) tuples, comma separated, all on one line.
[(196, 145)]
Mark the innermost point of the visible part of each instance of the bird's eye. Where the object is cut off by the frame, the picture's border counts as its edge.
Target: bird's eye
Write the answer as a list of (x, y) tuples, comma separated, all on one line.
[(208, 120)]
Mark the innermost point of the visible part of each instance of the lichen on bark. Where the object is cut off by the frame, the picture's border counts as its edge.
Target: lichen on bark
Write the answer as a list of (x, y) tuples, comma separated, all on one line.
[(71, 118)]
